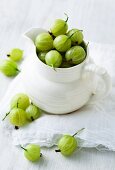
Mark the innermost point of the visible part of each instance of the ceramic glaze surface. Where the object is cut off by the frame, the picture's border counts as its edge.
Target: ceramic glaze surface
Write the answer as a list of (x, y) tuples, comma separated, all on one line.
[(66, 89)]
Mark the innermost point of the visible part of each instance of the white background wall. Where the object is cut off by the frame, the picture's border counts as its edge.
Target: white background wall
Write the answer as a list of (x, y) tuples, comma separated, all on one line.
[(95, 17)]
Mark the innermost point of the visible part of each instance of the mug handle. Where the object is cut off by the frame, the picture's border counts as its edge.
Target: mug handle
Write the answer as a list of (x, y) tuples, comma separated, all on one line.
[(98, 73)]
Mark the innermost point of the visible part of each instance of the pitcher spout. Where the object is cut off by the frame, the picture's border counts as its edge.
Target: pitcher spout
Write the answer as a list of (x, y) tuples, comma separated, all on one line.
[(33, 32)]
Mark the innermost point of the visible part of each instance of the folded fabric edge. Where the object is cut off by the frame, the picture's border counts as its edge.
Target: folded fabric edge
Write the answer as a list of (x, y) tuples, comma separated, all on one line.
[(51, 139)]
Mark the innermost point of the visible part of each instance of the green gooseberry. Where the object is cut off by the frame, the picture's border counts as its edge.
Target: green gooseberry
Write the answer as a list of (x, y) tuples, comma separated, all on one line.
[(32, 112), (20, 100), (17, 117), (32, 152), (53, 58), (62, 43), (44, 42), (9, 68), (76, 35), (41, 56), (15, 54), (68, 144), (59, 27), (76, 54), (66, 64)]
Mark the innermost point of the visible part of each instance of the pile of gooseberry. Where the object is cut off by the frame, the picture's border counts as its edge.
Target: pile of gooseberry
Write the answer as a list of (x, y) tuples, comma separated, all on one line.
[(22, 110), (60, 47)]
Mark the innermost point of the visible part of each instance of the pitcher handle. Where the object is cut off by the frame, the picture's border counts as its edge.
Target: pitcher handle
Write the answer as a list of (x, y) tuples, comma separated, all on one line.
[(98, 73)]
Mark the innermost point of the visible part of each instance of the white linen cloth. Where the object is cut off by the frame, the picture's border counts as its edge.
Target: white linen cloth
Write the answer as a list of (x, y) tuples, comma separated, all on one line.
[(98, 119)]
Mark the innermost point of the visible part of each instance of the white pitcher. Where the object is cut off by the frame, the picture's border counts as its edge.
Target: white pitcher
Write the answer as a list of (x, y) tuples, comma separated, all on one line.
[(66, 89)]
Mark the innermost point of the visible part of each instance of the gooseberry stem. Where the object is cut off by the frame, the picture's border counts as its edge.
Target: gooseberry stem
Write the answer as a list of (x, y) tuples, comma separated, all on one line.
[(51, 34), (70, 36), (32, 118), (87, 44), (8, 55), (16, 127), (57, 150), (66, 18), (17, 104), (53, 67), (18, 70), (78, 132), (18, 101), (74, 33), (23, 148), (5, 116)]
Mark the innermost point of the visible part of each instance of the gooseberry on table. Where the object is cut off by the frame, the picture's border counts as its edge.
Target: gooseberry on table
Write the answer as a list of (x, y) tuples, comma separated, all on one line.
[(9, 68), (32, 152), (15, 54), (18, 104), (20, 100), (32, 112), (68, 144), (21, 110), (17, 117)]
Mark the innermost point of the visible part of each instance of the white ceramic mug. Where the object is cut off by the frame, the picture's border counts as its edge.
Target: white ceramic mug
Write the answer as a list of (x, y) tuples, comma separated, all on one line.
[(66, 89)]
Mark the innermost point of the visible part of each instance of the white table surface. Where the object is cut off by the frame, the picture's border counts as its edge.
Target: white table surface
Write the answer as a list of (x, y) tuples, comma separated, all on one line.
[(97, 19)]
